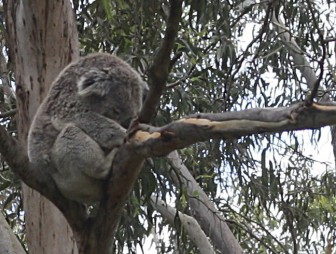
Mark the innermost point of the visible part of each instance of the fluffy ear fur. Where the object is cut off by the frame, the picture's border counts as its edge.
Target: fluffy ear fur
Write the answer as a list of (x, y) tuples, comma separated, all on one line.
[(93, 83)]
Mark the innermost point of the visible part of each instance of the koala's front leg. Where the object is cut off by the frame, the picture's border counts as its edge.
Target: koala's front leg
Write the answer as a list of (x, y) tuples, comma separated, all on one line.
[(106, 132), (74, 152), (81, 165)]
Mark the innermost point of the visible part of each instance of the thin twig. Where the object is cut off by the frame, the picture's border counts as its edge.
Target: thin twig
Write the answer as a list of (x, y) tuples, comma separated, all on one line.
[(240, 59), (192, 68), (8, 113)]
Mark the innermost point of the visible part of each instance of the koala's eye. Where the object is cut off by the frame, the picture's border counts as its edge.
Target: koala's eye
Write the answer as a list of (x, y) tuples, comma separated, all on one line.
[(86, 82), (93, 83)]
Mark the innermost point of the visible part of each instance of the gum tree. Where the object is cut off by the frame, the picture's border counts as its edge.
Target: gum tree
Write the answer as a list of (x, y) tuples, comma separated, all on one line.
[(230, 84)]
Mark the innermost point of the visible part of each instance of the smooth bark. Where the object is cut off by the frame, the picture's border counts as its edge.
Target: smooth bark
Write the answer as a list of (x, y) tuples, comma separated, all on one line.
[(190, 224), (43, 40), (210, 219)]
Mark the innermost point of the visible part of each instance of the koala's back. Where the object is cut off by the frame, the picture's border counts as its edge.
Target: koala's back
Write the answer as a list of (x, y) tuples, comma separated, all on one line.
[(121, 91)]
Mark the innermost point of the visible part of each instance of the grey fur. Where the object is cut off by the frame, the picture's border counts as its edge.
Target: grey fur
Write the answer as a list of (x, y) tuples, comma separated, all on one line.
[(80, 124)]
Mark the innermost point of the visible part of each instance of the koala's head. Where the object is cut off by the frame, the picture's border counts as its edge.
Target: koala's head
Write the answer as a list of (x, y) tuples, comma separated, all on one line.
[(109, 86)]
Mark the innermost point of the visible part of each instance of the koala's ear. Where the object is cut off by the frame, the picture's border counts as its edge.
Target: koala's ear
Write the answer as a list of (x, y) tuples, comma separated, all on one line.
[(93, 82)]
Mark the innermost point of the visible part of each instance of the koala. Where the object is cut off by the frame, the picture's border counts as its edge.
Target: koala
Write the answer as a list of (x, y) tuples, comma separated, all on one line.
[(82, 122)]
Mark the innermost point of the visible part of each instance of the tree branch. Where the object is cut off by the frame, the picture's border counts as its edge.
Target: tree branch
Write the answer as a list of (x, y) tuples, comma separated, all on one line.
[(159, 70), (295, 51), (152, 141), (191, 225), (38, 179), (125, 171), (8, 113), (302, 64), (314, 90), (158, 141), (211, 221)]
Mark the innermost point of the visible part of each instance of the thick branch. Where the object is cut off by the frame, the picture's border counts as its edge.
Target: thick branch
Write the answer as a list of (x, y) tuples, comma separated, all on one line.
[(125, 171), (38, 179), (211, 221), (159, 70), (189, 223), (160, 141)]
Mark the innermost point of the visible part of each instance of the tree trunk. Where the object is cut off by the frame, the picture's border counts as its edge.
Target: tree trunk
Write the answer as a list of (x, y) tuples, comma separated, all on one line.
[(42, 39)]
